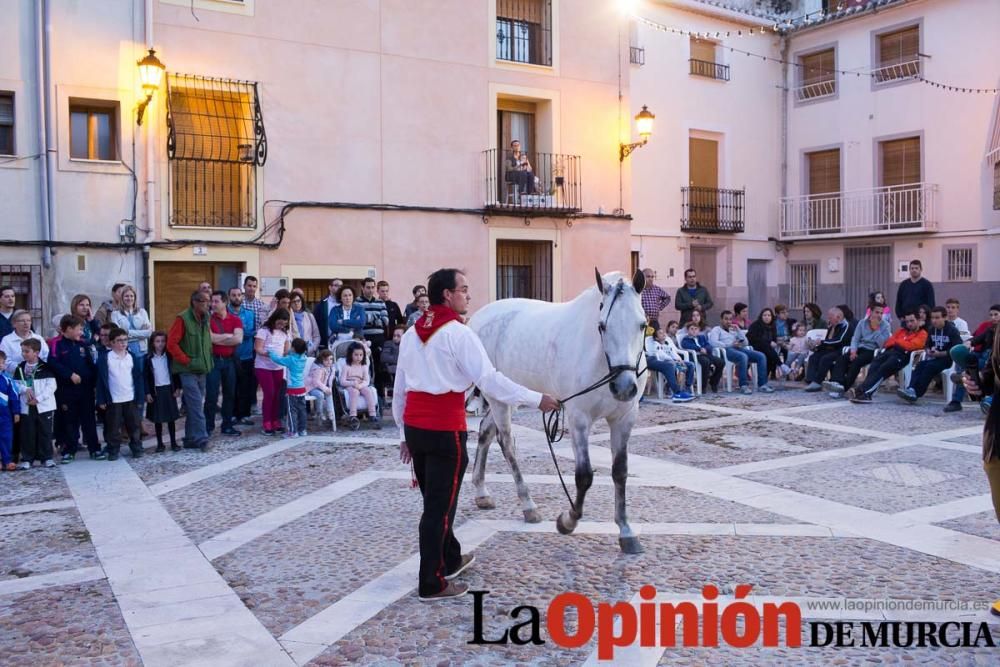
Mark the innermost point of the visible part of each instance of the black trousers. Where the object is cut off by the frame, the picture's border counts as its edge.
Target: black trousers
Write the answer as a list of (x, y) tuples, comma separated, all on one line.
[(36, 434), (884, 367), (820, 363), (439, 462), (846, 371), (75, 416), (711, 370), (377, 342), (127, 413), (246, 388)]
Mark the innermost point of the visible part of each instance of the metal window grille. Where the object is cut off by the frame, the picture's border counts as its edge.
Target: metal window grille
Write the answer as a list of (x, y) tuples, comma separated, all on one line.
[(524, 270), (712, 70), (524, 31), (6, 123), (26, 279), (215, 143), (801, 284), (960, 264), (637, 55)]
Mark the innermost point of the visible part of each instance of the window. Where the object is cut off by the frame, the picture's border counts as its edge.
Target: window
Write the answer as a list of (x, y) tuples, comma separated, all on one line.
[(818, 75), (996, 187), (898, 55), (704, 60), (960, 264), (900, 161), (6, 123), (93, 130), (524, 31), (524, 270), (26, 279), (215, 143), (801, 284), (824, 191)]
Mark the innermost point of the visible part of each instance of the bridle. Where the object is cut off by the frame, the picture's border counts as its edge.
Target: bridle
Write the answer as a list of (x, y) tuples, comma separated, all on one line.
[(615, 370)]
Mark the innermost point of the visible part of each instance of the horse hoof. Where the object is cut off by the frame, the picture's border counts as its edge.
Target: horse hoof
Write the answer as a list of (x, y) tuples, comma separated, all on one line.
[(564, 525), (532, 516), (486, 503), (630, 545)]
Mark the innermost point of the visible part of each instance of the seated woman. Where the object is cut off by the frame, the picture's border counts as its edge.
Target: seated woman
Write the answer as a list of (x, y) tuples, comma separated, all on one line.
[(812, 317), (763, 336), (741, 316), (518, 169), (663, 357), (347, 318)]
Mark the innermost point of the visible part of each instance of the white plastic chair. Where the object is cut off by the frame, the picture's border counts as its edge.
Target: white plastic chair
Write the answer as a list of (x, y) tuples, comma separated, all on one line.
[(692, 356), (729, 369)]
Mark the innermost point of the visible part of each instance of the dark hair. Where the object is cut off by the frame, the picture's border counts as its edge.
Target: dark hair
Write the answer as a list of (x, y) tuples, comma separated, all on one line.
[(299, 346), (760, 316), (248, 279), (813, 309), (780, 308), (995, 306), (940, 310), (282, 294), (333, 280), (739, 307), (278, 314), (438, 282), (4, 288), (152, 339), (117, 332), (399, 327), (350, 352), (117, 286), (382, 283), (724, 313), (340, 294), (687, 271), (916, 262), (32, 344), (953, 300), (231, 289), (925, 308), (222, 295), (69, 321), (367, 280), (107, 325), (322, 355), (913, 311), (671, 322), (692, 323), (875, 304), (846, 311), (418, 288), (2, 353)]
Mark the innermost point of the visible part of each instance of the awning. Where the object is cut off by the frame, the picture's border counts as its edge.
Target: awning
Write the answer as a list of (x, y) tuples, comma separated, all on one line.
[(214, 120)]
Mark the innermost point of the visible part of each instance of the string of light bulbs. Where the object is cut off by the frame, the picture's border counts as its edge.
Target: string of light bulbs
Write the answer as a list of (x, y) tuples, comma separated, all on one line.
[(707, 34)]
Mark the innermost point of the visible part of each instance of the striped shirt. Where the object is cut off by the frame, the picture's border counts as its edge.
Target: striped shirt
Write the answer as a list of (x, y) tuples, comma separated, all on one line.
[(258, 308)]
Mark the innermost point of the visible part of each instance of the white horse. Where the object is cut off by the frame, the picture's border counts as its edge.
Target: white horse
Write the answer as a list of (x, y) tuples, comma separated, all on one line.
[(560, 349)]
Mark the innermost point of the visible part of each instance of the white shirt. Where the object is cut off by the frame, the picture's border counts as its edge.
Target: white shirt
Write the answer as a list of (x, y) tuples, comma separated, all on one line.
[(662, 351), (161, 370), (452, 360), (963, 328), (11, 345), (120, 377)]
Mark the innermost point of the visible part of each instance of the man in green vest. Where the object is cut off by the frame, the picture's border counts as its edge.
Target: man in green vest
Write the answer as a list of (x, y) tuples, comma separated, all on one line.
[(189, 343)]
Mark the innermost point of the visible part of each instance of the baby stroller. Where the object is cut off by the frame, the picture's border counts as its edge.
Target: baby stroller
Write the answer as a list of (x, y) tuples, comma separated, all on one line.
[(339, 350)]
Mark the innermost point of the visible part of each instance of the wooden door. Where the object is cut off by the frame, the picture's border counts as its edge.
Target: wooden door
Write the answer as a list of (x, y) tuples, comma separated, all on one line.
[(703, 167), (757, 284), (175, 281), (824, 191)]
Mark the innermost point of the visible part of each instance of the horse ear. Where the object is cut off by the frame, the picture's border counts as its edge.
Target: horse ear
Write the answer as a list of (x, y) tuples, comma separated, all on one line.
[(600, 281), (639, 281)]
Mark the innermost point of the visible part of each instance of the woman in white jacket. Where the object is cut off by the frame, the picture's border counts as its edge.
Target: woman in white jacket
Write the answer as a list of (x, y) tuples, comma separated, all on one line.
[(134, 320), (663, 357)]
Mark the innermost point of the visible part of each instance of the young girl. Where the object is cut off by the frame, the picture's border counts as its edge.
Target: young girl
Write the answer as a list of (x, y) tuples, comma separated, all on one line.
[(162, 390), (272, 336), (672, 328), (797, 353), (319, 384), (741, 316), (357, 382)]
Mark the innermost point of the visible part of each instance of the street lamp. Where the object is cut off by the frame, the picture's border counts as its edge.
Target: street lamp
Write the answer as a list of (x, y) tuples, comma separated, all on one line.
[(150, 73), (644, 124)]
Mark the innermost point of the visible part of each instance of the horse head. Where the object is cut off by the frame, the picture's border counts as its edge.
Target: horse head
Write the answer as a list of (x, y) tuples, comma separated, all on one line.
[(622, 325)]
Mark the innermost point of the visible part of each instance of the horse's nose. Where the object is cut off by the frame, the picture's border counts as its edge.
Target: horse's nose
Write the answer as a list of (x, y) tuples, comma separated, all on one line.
[(624, 389)]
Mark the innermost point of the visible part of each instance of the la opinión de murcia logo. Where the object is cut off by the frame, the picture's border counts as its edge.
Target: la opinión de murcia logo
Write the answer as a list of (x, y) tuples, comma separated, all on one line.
[(739, 624)]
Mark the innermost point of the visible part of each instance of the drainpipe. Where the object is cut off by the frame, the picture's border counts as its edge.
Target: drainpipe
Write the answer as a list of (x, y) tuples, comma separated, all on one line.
[(150, 185), (43, 169), (785, 89)]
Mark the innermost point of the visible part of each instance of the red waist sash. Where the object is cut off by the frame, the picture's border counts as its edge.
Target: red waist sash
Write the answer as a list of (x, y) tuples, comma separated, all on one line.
[(435, 412)]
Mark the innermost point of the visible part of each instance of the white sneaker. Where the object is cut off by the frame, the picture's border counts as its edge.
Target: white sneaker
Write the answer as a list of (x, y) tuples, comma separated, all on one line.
[(24, 465), (767, 389), (49, 463), (785, 370)]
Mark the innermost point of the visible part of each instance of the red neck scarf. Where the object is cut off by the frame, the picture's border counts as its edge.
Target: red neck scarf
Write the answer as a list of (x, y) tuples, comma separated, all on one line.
[(432, 320)]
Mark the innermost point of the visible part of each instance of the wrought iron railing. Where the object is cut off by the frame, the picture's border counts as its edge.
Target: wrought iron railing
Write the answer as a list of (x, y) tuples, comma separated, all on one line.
[(531, 181), (524, 31), (893, 209), (897, 72), (709, 69), (712, 210), (812, 91), (637, 55)]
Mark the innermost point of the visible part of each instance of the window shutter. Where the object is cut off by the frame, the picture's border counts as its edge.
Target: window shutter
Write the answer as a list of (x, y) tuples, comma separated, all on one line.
[(824, 172), (817, 67), (702, 49), (899, 47), (901, 161)]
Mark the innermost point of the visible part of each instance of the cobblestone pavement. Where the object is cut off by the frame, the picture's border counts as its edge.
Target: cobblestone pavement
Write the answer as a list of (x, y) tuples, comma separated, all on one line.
[(303, 549)]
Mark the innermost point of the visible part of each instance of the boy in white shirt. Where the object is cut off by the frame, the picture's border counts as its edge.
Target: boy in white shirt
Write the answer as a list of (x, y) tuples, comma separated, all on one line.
[(952, 305), (36, 385), (664, 358), (120, 393)]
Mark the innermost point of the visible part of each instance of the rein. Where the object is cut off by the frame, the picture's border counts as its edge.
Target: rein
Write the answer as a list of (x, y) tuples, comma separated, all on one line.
[(552, 421)]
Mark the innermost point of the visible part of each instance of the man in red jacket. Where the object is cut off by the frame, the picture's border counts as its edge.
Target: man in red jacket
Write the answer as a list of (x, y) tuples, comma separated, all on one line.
[(896, 354)]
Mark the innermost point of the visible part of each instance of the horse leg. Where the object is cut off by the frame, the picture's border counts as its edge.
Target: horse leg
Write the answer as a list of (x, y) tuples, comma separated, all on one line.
[(621, 429), (487, 431), (566, 523), (507, 446)]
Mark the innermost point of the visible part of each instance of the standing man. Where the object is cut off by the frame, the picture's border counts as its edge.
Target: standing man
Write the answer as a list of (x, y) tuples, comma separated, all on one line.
[(103, 313), (376, 322), (205, 288), (189, 342), (654, 299), (227, 335), (7, 299), (914, 292), (246, 382), (391, 307), (439, 359), (321, 311), (259, 310), (691, 296), (413, 306)]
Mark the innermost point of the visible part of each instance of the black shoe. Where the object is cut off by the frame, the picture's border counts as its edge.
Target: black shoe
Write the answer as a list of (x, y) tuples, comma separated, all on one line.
[(98, 455), (246, 421), (175, 447), (229, 430), (66, 458), (160, 448), (136, 452), (112, 456), (267, 431), (953, 406), (203, 446), (861, 397)]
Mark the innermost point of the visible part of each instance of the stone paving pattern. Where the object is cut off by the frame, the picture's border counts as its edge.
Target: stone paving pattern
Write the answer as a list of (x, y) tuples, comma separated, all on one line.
[(38, 485), (43, 542)]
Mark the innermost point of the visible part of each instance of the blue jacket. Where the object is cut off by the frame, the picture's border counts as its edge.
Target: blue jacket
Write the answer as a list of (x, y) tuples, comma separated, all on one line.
[(67, 357), (296, 365), (104, 387), (353, 323), (10, 400), (245, 349), (696, 343)]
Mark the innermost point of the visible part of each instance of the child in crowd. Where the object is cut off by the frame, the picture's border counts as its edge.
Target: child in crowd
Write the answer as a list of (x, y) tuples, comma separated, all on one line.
[(798, 350), (879, 298), (390, 355), (162, 390), (711, 365), (672, 328), (36, 385), (741, 316), (76, 376), (356, 380), (10, 414), (120, 393), (319, 385), (295, 362), (664, 358), (102, 347)]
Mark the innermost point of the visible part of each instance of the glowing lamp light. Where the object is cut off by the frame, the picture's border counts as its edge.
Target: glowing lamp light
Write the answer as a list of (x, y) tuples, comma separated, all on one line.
[(151, 72), (644, 122)]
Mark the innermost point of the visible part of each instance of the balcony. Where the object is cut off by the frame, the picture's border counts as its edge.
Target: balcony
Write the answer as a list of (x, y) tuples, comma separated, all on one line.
[(524, 31), (896, 209), (709, 69), (712, 210), (896, 72), (552, 185), (817, 90)]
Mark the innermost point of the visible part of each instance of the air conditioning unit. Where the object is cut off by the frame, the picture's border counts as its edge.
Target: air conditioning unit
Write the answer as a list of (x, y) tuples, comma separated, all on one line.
[(271, 284)]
